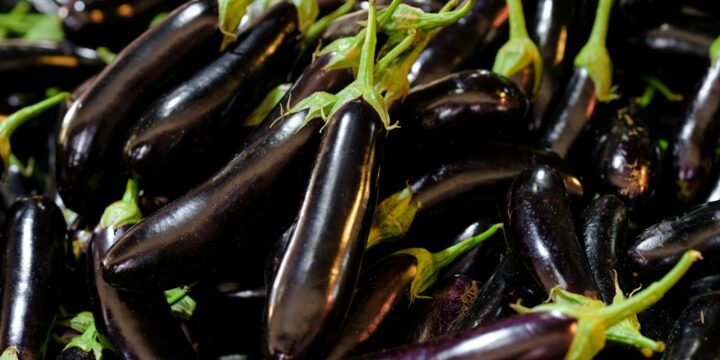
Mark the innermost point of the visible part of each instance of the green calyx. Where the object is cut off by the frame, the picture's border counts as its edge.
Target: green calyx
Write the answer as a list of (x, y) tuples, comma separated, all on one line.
[(715, 50), (230, 13), (20, 117), (598, 322), (393, 217), (90, 339), (11, 353), (594, 57), (520, 52), (181, 304), (125, 211), (266, 105), (429, 264)]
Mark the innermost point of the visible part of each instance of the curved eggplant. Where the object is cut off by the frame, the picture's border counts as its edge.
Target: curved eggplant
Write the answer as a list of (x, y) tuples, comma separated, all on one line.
[(93, 129), (541, 232), (695, 334), (316, 278), (31, 268), (603, 234), (190, 123), (705, 285)]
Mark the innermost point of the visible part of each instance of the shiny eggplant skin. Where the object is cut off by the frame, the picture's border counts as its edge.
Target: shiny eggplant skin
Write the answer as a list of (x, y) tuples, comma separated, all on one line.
[(139, 325), (705, 285), (540, 230), (91, 135), (604, 225), (535, 336), (31, 271), (445, 54), (692, 153), (110, 23), (189, 123), (311, 293), (382, 296), (695, 334), (34, 65), (574, 109), (661, 245)]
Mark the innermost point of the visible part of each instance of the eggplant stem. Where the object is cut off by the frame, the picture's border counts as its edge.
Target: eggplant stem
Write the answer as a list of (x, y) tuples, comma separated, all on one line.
[(365, 74), (715, 51), (600, 25), (16, 119), (395, 52), (319, 26), (125, 211), (445, 257), (516, 19), (662, 88)]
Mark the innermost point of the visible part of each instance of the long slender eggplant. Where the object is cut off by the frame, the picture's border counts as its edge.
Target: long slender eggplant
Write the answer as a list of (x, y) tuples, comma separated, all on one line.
[(186, 125), (695, 334), (94, 127), (31, 268), (705, 285), (541, 232)]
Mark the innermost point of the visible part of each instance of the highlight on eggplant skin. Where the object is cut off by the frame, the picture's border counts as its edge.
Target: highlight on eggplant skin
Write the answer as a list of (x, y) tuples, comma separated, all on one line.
[(694, 335)]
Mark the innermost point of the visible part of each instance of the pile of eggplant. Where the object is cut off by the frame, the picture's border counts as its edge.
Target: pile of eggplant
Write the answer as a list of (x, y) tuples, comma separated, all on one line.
[(359, 179)]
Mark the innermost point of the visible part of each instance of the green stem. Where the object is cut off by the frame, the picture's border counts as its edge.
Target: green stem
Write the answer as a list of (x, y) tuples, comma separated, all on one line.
[(445, 257), (662, 88), (395, 52), (612, 314), (445, 17), (646, 97), (319, 26), (365, 74), (123, 212), (12, 122), (715, 50), (635, 339), (517, 19), (600, 25), (386, 14), (131, 192), (179, 295)]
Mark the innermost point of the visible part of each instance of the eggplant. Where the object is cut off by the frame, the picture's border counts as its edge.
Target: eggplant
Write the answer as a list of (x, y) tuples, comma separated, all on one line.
[(110, 23), (541, 232), (40, 64), (31, 271), (705, 285), (318, 272), (444, 54), (542, 335), (194, 121), (695, 334), (90, 139), (604, 225)]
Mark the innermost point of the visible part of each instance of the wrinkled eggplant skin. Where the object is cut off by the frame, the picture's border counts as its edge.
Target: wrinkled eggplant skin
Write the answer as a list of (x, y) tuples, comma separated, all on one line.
[(318, 273), (627, 159), (31, 271), (383, 294), (139, 325), (535, 336), (444, 54), (94, 127), (660, 246), (190, 123), (604, 225), (540, 230), (110, 23), (695, 334), (692, 153), (568, 118), (32, 65)]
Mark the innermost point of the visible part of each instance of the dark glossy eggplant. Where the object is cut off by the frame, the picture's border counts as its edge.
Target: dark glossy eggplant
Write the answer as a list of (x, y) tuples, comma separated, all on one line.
[(182, 133), (627, 159), (139, 325), (312, 290), (705, 285), (691, 156), (540, 230), (29, 66), (660, 246), (445, 54), (31, 269), (604, 225), (695, 334), (542, 335), (90, 139)]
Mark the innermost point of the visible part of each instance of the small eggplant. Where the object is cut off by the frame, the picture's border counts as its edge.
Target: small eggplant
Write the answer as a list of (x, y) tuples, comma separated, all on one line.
[(541, 232), (695, 334), (31, 269), (91, 135)]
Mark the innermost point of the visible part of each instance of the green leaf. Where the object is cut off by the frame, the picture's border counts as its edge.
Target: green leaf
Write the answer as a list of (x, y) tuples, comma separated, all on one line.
[(308, 11), (79, 322), (230, 13), (90, 340)]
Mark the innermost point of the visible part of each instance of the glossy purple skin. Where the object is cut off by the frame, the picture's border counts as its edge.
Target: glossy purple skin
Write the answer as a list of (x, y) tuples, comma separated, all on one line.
[(604, 225), (139, 325), (94, 127), (660, 246), (31, 271), (540, 231), (445, 54), (692, 153), (535, 336), (695, 335), (569, 116), (185, 129), (317, 276), (627, 159)]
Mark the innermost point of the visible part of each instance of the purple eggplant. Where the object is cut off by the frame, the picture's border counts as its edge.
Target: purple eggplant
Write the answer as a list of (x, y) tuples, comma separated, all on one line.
[(541, 232), (31, 271), (695, 334)]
